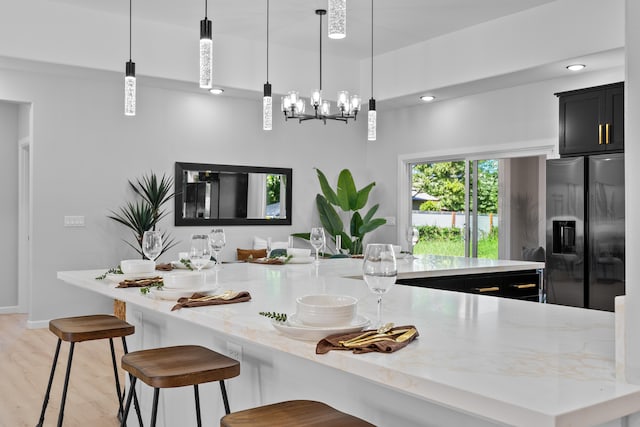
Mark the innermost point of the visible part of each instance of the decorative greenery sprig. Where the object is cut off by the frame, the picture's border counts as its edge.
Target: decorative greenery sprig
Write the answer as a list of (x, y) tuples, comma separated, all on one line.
[(114, 270), (145, 290), (278, 317), (186, 263)]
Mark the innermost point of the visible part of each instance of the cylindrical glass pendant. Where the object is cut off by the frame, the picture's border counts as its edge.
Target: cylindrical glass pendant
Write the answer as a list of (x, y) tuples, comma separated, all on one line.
[(337, 19), (206, 55), (130, 89), (355, 104), (343, 100), (267, 108), (316, 98), (371, 120), (326, 108)]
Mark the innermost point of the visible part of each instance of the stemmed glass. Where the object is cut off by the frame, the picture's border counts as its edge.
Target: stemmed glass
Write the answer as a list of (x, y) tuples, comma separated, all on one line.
[(379, 271), (217, 240), (317, 239), (152, 244), (200, 252)]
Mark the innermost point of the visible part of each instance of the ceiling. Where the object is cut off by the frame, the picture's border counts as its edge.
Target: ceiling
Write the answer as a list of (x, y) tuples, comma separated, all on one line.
[(293, 23)]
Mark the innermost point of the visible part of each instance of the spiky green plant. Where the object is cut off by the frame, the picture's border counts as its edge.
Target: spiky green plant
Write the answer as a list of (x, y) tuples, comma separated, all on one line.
[(145, 213)]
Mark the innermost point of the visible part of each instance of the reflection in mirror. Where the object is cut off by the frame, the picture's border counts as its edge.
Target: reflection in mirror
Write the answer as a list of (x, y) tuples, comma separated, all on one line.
[(208, 194)]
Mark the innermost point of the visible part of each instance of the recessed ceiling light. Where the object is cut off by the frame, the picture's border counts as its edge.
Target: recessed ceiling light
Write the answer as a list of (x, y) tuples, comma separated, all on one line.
[(216, 90), (575, 67), (427, 98)]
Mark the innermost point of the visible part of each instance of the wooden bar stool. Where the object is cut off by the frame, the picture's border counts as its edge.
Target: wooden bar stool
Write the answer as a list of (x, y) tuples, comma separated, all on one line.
[(87, 328), (178, 366), (292, 413)]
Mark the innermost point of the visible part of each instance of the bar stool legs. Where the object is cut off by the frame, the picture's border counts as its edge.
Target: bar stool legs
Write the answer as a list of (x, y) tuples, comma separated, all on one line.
[(178, 366), (156, 395), (85, 328)]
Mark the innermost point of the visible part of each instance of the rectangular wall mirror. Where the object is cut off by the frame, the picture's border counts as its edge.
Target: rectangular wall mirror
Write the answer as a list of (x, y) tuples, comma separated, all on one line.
[(209, 194)]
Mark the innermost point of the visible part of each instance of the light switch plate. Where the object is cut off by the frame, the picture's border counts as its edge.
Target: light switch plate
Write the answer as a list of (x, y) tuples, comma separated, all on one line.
[(74, 221)]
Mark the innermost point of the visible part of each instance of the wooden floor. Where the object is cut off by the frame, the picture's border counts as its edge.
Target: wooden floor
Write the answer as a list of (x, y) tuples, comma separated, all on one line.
[(25, 362)]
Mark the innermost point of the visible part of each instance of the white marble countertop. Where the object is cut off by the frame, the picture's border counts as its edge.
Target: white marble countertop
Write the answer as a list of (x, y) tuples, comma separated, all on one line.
[(515, 362)]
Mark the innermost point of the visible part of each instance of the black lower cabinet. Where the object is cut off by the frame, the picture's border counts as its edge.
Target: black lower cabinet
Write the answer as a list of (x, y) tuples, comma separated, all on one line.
[(517, 285)]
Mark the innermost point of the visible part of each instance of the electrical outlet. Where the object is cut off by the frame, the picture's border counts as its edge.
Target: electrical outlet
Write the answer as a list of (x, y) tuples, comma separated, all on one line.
[(391, 220), (234, 351)]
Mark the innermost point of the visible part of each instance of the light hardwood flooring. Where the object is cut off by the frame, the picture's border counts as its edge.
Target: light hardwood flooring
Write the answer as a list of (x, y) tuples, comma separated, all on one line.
[(25, 362)]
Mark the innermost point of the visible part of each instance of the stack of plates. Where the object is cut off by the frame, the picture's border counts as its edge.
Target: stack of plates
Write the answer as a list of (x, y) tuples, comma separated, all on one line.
[(295, 329)]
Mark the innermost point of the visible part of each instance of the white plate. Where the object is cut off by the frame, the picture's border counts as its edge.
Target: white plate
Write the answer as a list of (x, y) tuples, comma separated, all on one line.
[(300, 260), (178, 264), (117, 278), (174, 294), (299, 331)]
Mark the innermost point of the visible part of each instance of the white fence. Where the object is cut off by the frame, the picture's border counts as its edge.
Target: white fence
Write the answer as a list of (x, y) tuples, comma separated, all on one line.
[(453, 219)]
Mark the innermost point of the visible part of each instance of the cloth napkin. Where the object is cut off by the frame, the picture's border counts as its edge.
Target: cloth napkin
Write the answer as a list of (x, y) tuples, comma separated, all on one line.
[(186, 301), (331, 343), (139, 283), (164, 267)]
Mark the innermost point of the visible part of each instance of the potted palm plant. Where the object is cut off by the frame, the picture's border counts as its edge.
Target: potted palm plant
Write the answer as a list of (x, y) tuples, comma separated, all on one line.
[(145, 213), (350, 201)]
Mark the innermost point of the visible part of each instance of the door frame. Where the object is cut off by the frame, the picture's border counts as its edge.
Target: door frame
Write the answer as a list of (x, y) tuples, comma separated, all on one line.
[(24, 221), (542, 147)]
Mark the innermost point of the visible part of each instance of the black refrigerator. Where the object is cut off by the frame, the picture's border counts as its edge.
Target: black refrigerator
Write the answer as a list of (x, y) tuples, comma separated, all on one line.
[(585, 230)]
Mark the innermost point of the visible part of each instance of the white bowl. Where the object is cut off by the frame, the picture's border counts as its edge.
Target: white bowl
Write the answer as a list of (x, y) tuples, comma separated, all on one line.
[(183, 280), (299, 252), (137, 266), (326, 310)]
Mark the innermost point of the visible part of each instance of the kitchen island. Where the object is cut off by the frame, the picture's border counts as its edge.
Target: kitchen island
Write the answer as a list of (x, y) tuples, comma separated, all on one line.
[(479, 360)]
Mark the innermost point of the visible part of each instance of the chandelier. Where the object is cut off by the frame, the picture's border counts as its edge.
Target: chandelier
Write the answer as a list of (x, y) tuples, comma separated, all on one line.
[(294, 107)]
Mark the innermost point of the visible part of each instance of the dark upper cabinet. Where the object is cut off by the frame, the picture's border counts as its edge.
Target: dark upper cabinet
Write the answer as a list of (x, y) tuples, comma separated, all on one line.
[(592, 120)]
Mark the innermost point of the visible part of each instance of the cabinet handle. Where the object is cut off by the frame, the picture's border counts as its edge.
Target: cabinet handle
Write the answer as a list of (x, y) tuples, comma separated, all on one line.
[(525, 286), (599, 134), (489, 289), (607, 127)]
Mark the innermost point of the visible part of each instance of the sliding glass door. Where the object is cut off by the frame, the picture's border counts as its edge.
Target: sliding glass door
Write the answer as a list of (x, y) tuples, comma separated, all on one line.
[(454, 208)]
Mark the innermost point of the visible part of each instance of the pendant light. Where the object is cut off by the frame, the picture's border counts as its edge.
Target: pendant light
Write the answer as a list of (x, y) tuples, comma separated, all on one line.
[(206, 51), (372, 115), (130, 79), (337, 19), (267, 101)]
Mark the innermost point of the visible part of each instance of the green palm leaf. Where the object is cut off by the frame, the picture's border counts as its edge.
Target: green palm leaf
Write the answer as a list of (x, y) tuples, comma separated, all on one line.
[(328, 192), (347, 194), (328, 216), (363, 196)]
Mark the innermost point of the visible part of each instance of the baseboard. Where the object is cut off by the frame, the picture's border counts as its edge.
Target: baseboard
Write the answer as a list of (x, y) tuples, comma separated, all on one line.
[(11, 310), (38, 324)]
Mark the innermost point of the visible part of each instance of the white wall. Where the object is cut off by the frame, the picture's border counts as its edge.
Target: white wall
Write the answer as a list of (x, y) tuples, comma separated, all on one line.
[(9, 205), (85, 150)]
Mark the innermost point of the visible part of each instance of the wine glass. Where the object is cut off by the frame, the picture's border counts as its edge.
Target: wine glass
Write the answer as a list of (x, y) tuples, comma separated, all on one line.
[(152, 244), (217, 240), (317, 239), (200, 252), (379, 271)]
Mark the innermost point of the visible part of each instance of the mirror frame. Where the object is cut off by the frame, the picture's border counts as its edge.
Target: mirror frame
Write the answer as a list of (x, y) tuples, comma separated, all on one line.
[(180, 167)]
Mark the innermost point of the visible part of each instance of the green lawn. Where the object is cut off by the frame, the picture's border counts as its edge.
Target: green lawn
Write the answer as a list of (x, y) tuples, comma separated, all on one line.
[(487, 247)]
